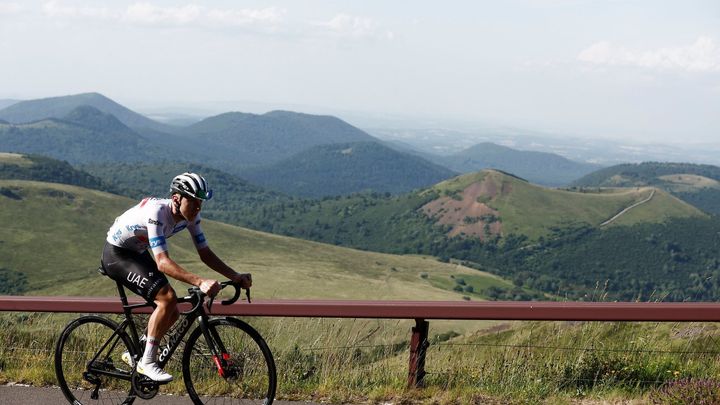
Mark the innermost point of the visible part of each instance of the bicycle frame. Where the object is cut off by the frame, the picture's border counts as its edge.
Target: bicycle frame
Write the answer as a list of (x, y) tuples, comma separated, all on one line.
[(183, 325)]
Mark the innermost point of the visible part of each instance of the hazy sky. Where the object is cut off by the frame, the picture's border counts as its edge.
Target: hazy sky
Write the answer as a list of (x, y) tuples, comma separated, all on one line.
[(641, 70)]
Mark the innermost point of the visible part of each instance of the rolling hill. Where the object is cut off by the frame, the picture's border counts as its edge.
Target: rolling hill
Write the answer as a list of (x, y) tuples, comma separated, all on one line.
[(492, 203), (542, 168), (697, 184), (551, 240), (84, 135), (233, 197), (92, 129), (59, 107), (251, 140), (345, 168), (56, 232), (488, 205), (36, 167)]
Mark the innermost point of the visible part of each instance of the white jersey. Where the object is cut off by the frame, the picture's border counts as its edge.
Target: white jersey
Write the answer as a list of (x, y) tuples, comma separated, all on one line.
[(149, 224)]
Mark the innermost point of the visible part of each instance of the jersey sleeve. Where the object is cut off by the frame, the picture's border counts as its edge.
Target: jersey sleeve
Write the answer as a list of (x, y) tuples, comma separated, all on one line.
[(156, 236), (196, 233)]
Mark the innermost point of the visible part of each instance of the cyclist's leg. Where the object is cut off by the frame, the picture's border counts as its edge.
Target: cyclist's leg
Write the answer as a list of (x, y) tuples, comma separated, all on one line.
[(165, 314)]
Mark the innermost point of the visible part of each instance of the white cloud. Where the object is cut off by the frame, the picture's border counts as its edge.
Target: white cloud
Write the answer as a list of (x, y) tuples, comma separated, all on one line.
[(348, 26), (189, 15), (701, 56)]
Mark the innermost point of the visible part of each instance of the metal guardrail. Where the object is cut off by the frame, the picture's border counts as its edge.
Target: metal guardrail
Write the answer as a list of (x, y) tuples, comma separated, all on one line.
[(420, 311)]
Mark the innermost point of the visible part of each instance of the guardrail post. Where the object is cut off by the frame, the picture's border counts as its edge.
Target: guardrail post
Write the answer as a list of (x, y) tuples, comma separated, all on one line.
[(418, 348)]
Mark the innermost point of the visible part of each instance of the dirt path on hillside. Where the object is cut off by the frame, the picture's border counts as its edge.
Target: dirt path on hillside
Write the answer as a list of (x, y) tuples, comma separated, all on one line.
[(609, 221)]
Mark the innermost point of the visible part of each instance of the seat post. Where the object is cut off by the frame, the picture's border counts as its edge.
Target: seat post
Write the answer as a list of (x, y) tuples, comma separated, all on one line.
[(123, 299), (121, 291)]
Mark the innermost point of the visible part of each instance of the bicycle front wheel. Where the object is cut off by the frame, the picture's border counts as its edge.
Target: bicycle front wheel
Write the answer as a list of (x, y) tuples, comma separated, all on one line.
[(248, 375), (89, 362)]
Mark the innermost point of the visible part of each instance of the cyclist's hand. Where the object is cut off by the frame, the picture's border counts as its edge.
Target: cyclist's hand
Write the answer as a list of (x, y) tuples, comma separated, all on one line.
[(244, 280), (210, 287)]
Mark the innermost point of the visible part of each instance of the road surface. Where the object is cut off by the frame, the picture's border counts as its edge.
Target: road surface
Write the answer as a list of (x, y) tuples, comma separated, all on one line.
[(23, 395)]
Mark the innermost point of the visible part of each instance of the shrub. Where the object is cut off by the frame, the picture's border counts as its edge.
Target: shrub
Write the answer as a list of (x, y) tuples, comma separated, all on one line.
[(688, 391)]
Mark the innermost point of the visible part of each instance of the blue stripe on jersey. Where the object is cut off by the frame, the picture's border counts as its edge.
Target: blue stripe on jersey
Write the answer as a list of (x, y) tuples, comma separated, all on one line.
[(179, 228), (157, 241), (200, 238)]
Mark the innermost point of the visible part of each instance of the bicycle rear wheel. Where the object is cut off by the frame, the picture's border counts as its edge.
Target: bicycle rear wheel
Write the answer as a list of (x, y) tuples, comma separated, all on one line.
[(86, 352), (250, 375)]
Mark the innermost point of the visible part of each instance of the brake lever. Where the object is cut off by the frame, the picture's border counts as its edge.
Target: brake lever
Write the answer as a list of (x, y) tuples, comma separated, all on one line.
[(247, 293), (209, 305)]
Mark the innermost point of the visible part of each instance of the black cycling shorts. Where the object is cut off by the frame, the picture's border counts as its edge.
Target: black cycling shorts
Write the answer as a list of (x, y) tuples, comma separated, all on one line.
[(136, 271)]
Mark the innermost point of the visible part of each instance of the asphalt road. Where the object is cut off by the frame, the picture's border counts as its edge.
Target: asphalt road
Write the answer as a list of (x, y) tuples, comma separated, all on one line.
[(22, 395)]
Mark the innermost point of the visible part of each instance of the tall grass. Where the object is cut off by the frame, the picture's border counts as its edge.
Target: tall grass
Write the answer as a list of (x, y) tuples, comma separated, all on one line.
[(514, 362)]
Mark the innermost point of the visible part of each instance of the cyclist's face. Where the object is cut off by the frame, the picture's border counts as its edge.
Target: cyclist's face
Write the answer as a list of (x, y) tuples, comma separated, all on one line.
[(190, 207)]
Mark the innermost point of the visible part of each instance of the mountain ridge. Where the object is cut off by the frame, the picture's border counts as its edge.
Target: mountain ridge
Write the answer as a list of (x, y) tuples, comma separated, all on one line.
[(268, 138), (319, 169), (542, 168), (60, 106)]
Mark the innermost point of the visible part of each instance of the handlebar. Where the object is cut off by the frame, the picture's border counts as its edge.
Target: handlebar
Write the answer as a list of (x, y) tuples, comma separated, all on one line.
[(199, 296)]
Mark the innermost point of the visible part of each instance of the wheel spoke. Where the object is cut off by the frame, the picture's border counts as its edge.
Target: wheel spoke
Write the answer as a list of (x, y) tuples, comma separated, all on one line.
[(248, 376)]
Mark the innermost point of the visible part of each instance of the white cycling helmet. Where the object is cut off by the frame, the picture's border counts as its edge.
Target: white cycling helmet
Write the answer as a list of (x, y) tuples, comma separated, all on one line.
[(191, 185)]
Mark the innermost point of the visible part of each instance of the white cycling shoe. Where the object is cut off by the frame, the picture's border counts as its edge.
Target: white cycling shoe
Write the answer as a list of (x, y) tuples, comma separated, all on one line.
[(153, 372)]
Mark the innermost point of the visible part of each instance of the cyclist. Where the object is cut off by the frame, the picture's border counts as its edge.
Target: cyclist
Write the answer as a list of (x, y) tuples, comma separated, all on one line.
[(126, 258)]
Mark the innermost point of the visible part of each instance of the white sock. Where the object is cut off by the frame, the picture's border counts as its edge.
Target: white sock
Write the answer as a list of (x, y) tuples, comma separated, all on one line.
[(151, 349)]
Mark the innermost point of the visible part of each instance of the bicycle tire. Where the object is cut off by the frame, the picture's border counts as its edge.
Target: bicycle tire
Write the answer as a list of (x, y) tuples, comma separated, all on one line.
[(73, 352), (252, 378)]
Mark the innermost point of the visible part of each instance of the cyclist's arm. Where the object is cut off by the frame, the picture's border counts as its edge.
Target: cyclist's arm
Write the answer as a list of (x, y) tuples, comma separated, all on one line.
[(172, 269), (211, 260)]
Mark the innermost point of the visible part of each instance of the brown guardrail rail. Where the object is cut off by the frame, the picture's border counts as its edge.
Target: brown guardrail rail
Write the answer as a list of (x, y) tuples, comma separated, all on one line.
[(420, 311)]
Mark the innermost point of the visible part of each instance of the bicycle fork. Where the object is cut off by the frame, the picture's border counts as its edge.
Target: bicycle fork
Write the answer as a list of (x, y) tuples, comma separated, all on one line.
[(220, 355)]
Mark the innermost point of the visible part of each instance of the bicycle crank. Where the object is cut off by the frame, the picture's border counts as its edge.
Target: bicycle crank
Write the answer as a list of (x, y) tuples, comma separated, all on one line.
[(144, 387)]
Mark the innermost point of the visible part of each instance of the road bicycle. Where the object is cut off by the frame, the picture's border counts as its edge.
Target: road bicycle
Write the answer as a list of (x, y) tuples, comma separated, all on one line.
[(224, 359)]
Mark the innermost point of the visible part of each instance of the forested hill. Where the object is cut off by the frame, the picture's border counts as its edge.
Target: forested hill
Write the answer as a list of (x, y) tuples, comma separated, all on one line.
[(58, 107), (646, 255), (252, 140), (41, 168), (697, 184), (232, 143), (542, 168), (551, 239), (234, 198), (85, 134), (346, 168)]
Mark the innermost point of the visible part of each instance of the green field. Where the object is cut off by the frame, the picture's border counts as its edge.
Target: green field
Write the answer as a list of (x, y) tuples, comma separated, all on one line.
[(54, 234), (688, 182)]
